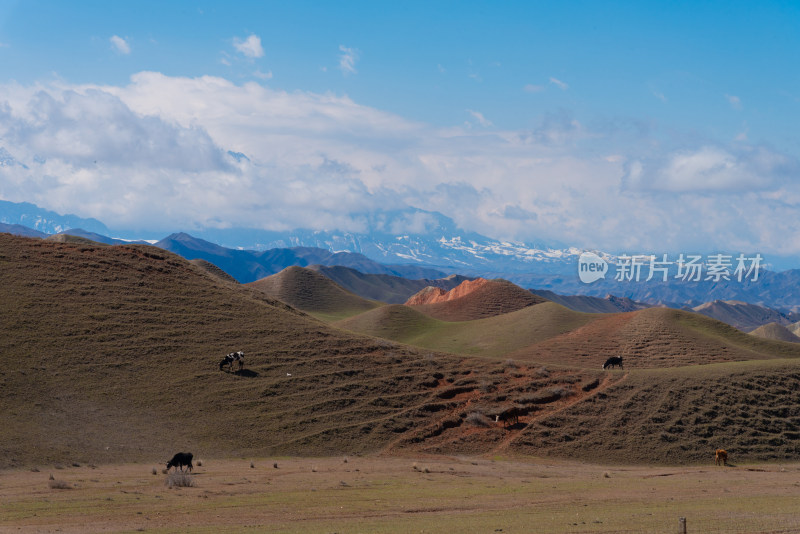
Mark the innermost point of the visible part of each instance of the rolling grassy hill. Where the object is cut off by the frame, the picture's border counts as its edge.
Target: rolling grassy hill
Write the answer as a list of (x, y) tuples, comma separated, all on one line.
[(655, 337), (109, 354), (492, 337), (742, 315), (775, 331), (383, 287), (312, 292), (587, 304), (473, 299)]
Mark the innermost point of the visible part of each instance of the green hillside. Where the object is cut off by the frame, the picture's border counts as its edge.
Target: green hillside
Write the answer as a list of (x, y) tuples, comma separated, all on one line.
[(491, 337)]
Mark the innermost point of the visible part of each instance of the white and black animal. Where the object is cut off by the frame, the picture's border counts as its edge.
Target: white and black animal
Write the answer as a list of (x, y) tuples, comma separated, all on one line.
[(613, 361), (231, 359), (179, 460)]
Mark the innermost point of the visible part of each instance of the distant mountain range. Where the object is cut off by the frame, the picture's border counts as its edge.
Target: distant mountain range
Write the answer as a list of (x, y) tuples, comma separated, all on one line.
[(45, 221), (777, 290), (406, 236), (250, 265), (745, 316), (436, 249)]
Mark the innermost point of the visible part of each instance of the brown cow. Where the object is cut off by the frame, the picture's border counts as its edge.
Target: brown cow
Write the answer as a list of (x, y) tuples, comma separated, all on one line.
[(721, 457)]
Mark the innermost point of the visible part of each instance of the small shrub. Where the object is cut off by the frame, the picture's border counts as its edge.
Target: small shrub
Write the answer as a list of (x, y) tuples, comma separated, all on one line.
[(275, 465), (154, 471), (606, 475), (58, 484), (180, 480), (252, 465), (478, 419), (199, 463), (542, 372), (511, 364)]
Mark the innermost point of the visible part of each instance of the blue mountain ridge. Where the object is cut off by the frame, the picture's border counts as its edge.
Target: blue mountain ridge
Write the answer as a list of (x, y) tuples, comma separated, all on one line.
[(437, 248)]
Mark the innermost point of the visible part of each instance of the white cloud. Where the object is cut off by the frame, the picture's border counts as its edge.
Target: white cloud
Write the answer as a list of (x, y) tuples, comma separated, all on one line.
[(478, 116), (711, 168), (734, 101), (263, 75), (120, 45), (347, 59), (531, 88), (250, 47), (558, 83), (153, 154)]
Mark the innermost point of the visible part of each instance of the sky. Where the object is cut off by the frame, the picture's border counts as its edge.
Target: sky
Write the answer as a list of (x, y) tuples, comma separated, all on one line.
[(643, 127)]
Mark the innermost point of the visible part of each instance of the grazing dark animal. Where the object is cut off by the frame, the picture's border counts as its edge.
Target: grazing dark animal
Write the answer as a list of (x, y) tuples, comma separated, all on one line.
[(232, 358), (179, 460), (509, 417), (721, 457), (613, 361)]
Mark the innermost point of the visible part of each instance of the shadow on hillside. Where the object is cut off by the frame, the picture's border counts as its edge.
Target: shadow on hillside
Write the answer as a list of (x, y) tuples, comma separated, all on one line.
[(247, 373)]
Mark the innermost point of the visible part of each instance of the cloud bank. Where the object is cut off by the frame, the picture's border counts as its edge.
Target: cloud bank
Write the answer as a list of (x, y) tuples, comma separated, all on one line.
[(164, 154)]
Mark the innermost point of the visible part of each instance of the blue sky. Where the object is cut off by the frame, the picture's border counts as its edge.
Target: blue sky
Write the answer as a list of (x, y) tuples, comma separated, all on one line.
[(638, 126)]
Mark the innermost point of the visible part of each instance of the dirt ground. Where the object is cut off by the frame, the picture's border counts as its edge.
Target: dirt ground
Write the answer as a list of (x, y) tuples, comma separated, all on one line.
[(376, 494)]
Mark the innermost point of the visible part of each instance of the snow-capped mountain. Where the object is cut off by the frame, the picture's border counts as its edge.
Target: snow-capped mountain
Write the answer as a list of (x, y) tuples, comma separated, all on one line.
[(412, 236), (46, 221)]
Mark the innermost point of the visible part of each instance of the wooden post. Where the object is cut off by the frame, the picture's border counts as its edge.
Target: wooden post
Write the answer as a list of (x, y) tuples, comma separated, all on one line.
[(681, 525)]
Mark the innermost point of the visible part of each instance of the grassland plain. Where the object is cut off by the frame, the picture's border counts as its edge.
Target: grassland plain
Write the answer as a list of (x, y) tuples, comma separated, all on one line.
[(379, 494), (109, 354)]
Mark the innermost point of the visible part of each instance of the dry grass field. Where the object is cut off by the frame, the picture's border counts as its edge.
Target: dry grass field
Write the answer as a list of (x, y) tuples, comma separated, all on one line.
[(314, 293), (375, 494)]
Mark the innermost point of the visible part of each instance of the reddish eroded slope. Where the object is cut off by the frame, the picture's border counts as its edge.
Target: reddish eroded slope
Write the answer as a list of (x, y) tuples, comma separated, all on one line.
[(473, 299)]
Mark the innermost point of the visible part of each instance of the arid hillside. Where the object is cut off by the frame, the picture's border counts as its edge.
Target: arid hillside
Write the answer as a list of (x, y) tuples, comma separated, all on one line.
[(775, 331), (473, 299), (312, 292), (383, 287), (110, 354)]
